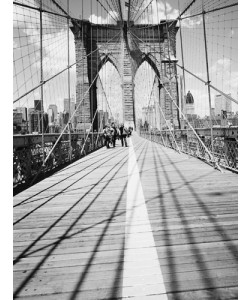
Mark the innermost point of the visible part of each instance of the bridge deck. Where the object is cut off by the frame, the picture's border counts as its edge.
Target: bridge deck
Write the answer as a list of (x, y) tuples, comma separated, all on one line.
[(107, 227)]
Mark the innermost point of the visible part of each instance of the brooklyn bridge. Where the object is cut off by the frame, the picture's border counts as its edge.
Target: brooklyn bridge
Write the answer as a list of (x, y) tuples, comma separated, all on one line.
[(157, 219)]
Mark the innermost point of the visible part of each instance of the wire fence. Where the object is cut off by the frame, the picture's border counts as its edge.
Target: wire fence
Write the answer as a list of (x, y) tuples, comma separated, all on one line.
[(62, 88), (58, 116), (198, 73)]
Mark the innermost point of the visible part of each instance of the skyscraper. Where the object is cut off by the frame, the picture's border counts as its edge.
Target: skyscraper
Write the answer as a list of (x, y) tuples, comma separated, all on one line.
[(17, 117), (23, 111), (38, 105), (222, 103), (54, 108), (66, 105), (35, 122), (51, 116)]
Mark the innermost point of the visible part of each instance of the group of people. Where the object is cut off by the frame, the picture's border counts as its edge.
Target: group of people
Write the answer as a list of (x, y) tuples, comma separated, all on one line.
[(112, 133)]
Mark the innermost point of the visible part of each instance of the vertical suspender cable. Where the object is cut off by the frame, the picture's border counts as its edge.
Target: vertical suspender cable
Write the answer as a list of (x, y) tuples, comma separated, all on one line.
[(70, 153), (170, 72), (182, 58), (129, 10), (208, 79), (91, 71), (41, 81), (161, 84), (97, 67), (97, 44), (83, 62)]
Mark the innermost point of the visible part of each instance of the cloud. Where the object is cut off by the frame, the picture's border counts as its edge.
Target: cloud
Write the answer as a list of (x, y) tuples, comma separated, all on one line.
[(191, 22), (222, 76), (222, 65), (161, 10), (101, 20), (27, 31), (21, 15), (156, 12), (26, 45)]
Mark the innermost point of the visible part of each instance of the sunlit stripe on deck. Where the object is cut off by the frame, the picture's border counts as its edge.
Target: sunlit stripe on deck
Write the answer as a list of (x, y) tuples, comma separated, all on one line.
[(140, 250)]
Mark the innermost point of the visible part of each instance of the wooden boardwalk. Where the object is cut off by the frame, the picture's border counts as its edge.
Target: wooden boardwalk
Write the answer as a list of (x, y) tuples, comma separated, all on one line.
[(142, 222)]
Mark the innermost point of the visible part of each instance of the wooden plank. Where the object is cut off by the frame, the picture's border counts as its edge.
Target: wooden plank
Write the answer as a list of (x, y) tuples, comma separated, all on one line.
[(194, 209), (69, 232)]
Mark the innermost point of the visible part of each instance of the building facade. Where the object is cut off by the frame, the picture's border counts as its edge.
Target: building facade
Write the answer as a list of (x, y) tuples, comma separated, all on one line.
[(23, 111), (66, 105), (38, 105), (222, 103), (55, 111), (35, 122)]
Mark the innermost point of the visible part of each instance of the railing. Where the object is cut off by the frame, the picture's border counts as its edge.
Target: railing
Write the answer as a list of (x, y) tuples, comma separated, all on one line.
[(225, 144), (28, 155)]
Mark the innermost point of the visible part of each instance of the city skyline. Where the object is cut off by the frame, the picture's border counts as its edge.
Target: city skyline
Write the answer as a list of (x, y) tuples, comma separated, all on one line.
[(220, 61)]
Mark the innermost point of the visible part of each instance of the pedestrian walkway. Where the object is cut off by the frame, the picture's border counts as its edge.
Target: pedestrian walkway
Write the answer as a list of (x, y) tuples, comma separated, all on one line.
[(141, 222)]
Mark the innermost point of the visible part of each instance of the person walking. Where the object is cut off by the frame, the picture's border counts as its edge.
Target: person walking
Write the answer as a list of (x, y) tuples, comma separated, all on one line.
[(130, 129), (123, 135), (107, 135), (114, 133)]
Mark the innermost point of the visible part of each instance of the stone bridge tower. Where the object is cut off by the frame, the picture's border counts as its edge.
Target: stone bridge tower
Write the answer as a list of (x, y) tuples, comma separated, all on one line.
[(126, 47)]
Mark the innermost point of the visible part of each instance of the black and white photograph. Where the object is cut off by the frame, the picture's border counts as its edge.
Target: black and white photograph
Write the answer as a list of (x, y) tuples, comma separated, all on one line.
[(125, 150)]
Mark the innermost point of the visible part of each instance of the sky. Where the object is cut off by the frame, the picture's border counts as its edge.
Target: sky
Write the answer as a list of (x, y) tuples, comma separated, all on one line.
[(6, 152), (222, 38)]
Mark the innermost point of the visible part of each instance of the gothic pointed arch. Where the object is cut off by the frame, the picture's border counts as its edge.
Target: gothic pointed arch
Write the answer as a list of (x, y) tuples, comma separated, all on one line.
[(108, 58), (151, 60)]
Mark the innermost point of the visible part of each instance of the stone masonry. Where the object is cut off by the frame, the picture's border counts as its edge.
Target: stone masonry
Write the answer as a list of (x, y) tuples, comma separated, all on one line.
[(126, 46)]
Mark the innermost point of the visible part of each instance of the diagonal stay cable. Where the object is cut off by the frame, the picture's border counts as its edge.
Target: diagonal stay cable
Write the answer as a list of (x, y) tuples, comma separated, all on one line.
[(137, 10), (171, 132), (142, 11), (60, 8), (107, 103), (105, 95), (45, 81), (189, 5), (89, 130), (207, 83), (71, 226), (38, 9), (173, 101), (120, 10), (199, 139), (58, 139), (115, 19), (79, 104)]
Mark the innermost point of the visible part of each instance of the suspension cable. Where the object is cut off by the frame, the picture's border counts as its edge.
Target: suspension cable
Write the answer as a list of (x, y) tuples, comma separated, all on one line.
[(160, 80), (206, 83), (135, 19), (115, 19), (45, 81), (105, 95), (52, 149)]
